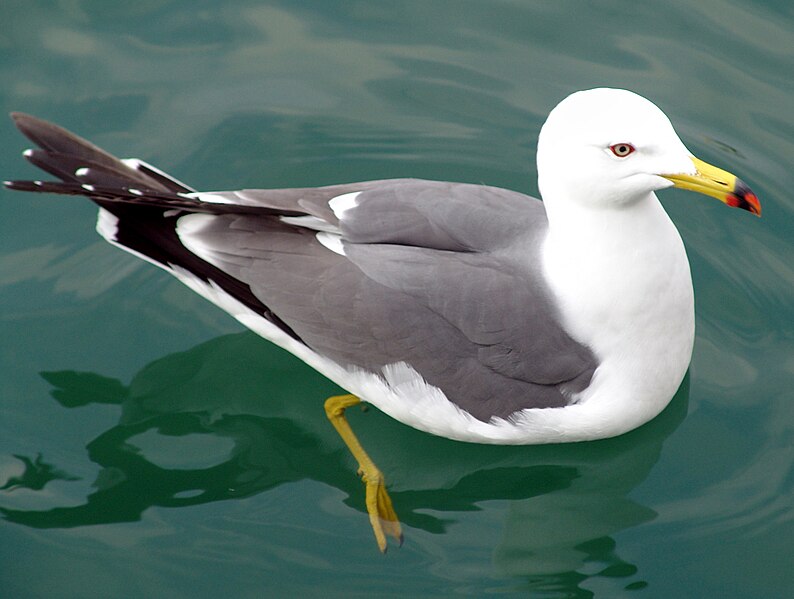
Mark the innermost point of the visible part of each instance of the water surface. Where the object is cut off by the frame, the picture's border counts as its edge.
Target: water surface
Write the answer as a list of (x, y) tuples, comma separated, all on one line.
[(151, 447)]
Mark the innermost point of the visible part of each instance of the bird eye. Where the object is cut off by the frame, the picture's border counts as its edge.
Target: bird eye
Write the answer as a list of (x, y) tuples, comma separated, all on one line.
[(621, 150)]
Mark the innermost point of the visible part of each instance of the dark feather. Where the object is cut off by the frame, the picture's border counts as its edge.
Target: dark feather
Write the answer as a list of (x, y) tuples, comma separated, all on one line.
[(442, 276)]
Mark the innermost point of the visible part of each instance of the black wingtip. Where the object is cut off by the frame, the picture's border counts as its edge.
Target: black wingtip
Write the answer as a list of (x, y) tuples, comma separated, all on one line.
[(25, 122), (23, 185), (18, 116), (34, 128)]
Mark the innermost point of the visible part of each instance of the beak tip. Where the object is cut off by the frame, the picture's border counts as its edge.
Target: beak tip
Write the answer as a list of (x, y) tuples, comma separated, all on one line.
[(744, 198), (717, 183)]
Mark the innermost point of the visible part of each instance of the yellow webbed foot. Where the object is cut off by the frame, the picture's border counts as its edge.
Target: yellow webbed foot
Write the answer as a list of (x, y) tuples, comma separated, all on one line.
[(382, 516)]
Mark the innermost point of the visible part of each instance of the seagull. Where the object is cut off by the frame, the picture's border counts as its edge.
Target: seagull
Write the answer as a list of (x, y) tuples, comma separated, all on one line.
[(467, 311)]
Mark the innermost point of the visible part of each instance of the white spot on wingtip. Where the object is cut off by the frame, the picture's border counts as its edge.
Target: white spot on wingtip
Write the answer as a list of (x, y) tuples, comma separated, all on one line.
[(340, 205), (27, 153), (135, 192), (137, 164), (38, 183), (309, 222), (133, 163), (189, 229), (332, 242), (107, 224), (82, 171), (193, 224), (212, 198), (88, 187)]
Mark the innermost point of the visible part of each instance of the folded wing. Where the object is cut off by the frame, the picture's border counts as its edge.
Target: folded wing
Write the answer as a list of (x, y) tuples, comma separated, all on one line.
[(442, 276)]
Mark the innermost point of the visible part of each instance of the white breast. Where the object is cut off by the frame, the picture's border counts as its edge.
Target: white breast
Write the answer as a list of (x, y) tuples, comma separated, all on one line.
[(623, 284)]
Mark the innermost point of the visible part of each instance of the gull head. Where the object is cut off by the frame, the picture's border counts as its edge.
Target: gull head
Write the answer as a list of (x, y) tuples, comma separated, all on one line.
[(608, 148)]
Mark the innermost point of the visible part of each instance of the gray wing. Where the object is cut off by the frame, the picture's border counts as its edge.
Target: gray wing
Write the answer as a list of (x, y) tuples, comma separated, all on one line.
[(443, 276)]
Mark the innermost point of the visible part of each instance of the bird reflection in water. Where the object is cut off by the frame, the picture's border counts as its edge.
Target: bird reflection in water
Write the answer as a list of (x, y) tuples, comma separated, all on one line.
[(565, 502)]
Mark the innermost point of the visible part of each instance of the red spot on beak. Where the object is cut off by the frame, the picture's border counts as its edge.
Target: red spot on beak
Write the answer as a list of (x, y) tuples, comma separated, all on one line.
[(742, 197)]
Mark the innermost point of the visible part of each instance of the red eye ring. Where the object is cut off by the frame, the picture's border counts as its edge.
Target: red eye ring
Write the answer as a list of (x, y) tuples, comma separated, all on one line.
[(622, 150)]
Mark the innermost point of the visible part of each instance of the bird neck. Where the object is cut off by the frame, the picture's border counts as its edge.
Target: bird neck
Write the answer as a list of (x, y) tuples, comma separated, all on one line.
[(621, 279), (629, 245), (580, 219)]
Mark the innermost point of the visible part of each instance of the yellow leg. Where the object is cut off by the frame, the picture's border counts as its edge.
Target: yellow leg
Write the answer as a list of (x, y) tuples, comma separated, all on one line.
[(381, 513)]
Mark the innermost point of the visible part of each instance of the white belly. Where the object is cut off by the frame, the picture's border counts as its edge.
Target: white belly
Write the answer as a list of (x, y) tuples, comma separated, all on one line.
[(635, 311), (631, 301)]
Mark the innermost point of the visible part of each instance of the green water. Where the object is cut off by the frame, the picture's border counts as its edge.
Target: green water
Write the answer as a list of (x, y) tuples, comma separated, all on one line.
[(149, 447)]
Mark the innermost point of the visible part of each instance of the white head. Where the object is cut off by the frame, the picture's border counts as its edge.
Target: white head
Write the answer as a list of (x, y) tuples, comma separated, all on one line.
[(608, 147)]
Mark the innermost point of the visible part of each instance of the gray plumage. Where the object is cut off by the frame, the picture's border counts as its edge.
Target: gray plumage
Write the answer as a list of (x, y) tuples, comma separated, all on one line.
[(443, 276)]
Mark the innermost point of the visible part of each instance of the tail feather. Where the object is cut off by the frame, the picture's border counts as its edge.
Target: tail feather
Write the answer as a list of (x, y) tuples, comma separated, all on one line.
[(77, 169), (109, 196), (141, 207), (57, 139), (63, 154), (155, 173), (67, 156), (84, 169)]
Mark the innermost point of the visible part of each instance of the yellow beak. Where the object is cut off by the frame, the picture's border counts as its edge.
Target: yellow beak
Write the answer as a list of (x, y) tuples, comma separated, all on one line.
[(720, 184)]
